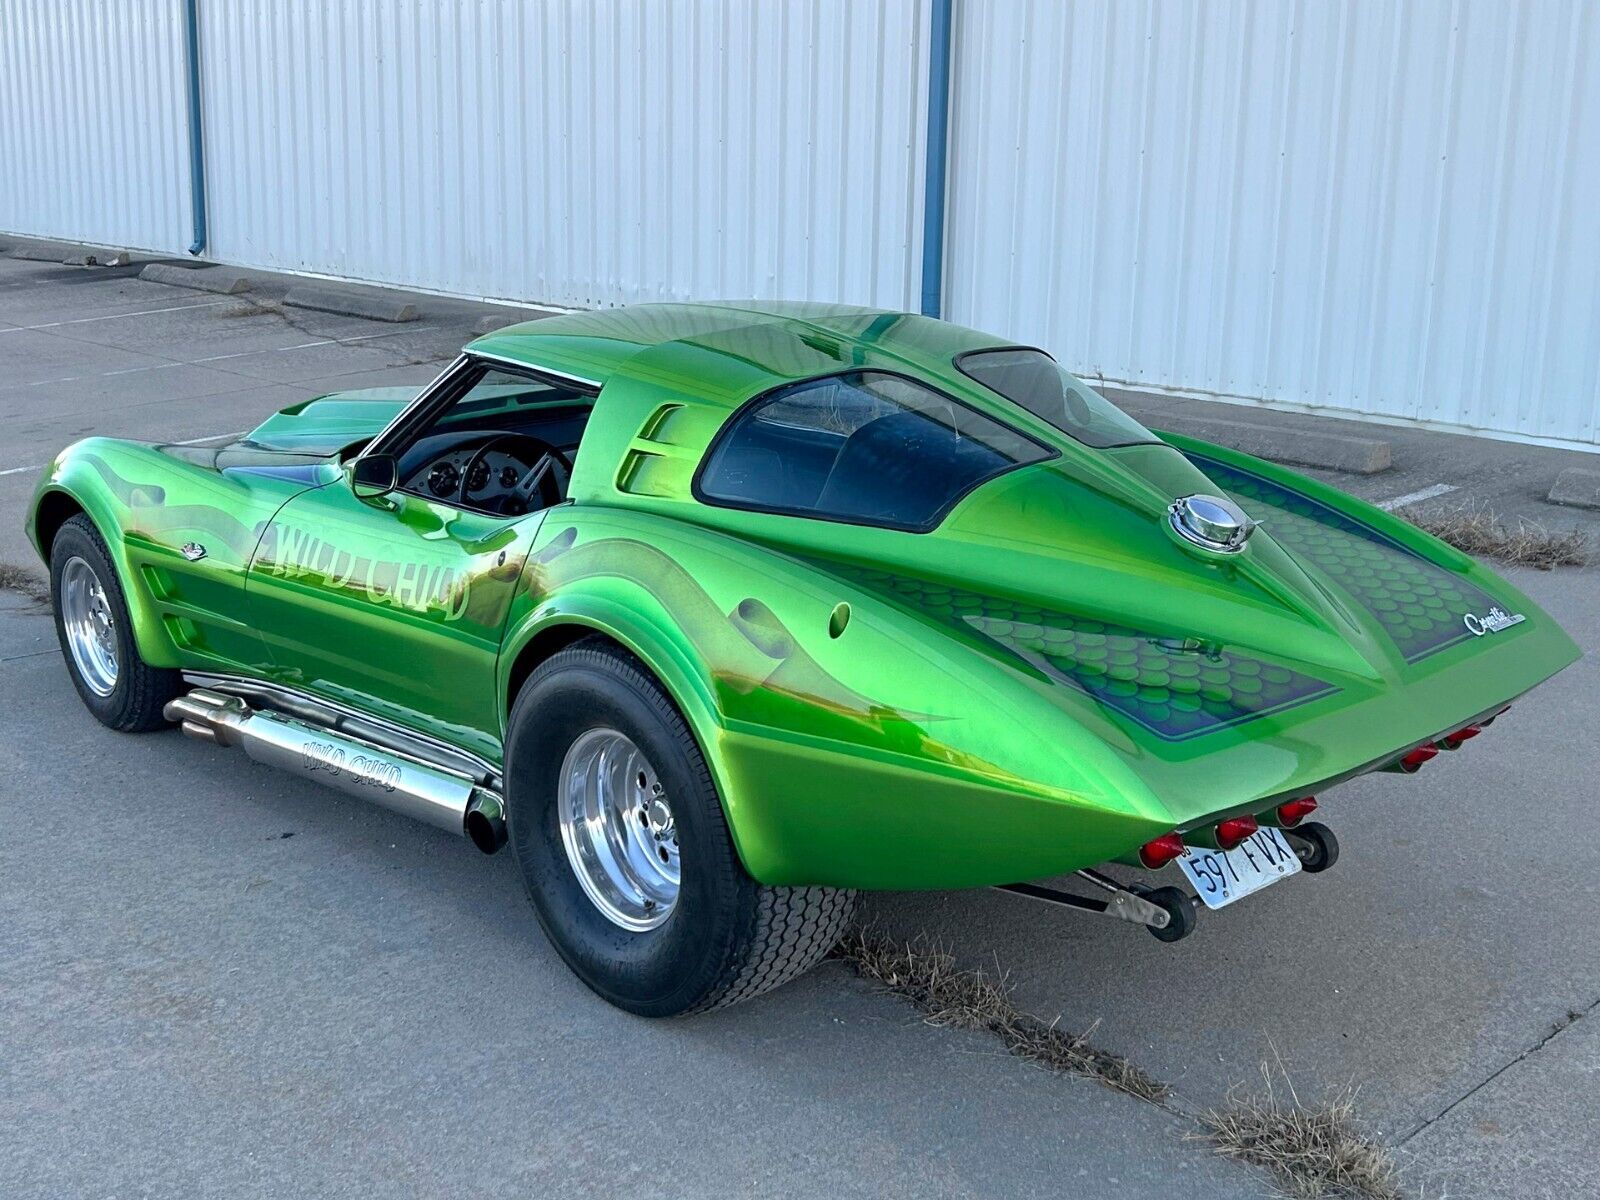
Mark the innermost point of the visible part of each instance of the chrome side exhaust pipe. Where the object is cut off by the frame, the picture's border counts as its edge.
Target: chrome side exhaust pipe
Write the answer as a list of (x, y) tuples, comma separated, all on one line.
[(485, 821), (404, 784)]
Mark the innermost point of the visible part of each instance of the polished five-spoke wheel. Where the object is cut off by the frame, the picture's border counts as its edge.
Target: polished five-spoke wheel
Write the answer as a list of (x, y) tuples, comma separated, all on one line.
[(91, 629), (618, 830), (97, 633)]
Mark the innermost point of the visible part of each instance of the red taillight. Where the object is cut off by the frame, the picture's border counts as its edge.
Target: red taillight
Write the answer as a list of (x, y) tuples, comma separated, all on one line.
[(1453, 741), (1161, 851), (1292, 812), (1234, 830), (1414, 760)]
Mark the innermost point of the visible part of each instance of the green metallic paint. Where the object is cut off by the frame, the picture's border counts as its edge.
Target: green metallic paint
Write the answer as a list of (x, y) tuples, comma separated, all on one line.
[(396, 605), (1047, 680)]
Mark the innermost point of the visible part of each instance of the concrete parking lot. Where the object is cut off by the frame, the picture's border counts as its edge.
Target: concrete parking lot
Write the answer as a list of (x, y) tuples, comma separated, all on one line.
[(216, 980)]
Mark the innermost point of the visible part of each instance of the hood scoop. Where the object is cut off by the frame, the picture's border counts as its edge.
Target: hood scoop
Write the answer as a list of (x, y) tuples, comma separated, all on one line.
[(1211, 522)]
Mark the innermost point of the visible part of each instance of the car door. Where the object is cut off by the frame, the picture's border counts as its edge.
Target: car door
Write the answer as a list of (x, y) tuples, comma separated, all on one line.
[(395, 604)]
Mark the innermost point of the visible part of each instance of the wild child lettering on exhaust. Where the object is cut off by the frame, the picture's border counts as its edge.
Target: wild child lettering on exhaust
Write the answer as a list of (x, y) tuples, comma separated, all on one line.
[(374, 772), (291, 552)]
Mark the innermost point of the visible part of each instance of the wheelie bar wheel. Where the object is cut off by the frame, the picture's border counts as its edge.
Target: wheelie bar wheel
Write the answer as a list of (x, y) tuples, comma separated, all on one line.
[(1183, 908), (1315, 846)]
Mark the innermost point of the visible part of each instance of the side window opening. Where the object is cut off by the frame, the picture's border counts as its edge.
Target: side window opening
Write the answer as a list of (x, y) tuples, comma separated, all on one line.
[(866, 447), (1033, 380), (502, 433)]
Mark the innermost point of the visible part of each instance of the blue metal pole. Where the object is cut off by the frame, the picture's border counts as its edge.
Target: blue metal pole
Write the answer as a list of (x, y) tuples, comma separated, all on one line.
[(938, 153), (197, 146)]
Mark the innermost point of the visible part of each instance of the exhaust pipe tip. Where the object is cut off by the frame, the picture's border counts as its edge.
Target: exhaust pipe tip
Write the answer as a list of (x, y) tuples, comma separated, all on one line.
[(194, 729), (485, 822)]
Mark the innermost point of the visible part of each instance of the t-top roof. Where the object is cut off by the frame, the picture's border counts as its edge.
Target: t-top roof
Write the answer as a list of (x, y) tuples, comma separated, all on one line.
[(734, 347)]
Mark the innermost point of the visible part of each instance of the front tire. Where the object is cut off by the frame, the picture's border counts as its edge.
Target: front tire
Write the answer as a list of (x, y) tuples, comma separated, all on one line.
[(625, 850), (96, 634)]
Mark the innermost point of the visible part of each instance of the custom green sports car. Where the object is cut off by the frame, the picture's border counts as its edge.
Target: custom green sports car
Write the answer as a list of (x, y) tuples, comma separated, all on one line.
[(721, 613)]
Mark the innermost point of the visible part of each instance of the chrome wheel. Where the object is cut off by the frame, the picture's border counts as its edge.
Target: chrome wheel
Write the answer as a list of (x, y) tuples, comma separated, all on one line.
[(91, 629), (617, 827)]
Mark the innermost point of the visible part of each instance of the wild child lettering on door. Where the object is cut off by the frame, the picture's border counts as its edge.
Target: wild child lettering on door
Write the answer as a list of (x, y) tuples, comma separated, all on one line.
[(289, 552)]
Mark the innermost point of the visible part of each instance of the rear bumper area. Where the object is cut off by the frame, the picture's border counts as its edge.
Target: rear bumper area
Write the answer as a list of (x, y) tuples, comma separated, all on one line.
[(1361, 733), (809, 813)]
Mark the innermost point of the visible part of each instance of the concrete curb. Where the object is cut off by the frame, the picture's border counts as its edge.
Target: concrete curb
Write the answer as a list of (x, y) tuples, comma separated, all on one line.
[(353, 304), (205, 279), (1298, 447), (1577, 488), (42, 251)]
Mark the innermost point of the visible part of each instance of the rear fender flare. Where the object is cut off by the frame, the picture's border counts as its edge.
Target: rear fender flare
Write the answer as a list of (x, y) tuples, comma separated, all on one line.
[(663, 654)]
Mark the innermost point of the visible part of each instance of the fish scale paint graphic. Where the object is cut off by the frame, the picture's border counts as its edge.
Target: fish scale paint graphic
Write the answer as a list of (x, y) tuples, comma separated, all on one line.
[(1420, 605), (1175, 688)]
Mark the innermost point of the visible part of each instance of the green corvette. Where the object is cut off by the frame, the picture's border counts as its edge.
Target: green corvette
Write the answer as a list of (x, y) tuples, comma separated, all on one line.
[(721, 613)]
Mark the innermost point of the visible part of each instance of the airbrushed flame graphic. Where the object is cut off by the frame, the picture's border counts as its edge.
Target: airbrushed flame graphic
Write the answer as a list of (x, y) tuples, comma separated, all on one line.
[(762, 671), (150, 515)]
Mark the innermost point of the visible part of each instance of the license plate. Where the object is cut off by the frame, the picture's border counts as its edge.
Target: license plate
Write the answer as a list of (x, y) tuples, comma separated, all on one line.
[(1223, 876)]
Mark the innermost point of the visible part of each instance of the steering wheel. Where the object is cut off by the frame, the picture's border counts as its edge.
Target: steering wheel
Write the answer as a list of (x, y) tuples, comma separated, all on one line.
[(546, 478)]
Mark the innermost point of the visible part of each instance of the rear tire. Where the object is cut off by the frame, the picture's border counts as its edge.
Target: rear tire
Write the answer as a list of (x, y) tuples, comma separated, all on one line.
[(96, 634), (695, 934)]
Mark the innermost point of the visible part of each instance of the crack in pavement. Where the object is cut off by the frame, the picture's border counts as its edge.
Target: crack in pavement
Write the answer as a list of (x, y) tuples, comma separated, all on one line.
[(32, 654), (1561, 1026)]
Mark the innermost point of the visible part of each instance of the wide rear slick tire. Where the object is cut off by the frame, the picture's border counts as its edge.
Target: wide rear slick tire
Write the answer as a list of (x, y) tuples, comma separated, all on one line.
[(725, 938), (119, 688)]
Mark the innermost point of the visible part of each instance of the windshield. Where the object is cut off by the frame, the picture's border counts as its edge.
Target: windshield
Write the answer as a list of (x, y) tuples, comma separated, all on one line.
[(1032, 379)]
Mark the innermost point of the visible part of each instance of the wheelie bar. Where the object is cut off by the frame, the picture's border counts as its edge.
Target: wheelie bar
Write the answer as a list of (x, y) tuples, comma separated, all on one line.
[(1168, 913)]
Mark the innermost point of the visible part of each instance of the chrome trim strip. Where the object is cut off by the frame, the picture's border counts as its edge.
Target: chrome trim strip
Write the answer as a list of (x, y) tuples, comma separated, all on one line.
[(422, 397), (447, 376), (533, 369), (342, 718)]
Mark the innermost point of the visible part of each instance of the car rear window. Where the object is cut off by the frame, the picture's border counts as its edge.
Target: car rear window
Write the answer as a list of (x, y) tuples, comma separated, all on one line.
[(865, 447), (1032, 379)]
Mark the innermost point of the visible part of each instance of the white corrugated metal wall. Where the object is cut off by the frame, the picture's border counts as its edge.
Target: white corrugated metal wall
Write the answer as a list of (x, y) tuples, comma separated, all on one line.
[(93, 131), (581, 152), (1377, 207), (1381, 207)]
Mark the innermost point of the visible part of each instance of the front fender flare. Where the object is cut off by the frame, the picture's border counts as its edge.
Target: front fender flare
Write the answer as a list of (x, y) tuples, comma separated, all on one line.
[(75, 479)]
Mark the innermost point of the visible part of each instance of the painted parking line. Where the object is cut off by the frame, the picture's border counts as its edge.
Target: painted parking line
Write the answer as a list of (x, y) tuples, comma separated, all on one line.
[(1427, 493), (143, 312), (194, 362), (365, 337), (214, 437)]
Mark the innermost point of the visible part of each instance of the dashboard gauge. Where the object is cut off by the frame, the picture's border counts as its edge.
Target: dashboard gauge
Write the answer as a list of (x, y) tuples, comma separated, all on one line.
[(509, 477), (444, 479), (478, 479)]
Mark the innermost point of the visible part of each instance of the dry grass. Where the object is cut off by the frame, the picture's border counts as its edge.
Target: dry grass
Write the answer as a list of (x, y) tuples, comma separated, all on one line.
[(1479, 531), (1313, 1150), (24, 581), (952, 997)]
